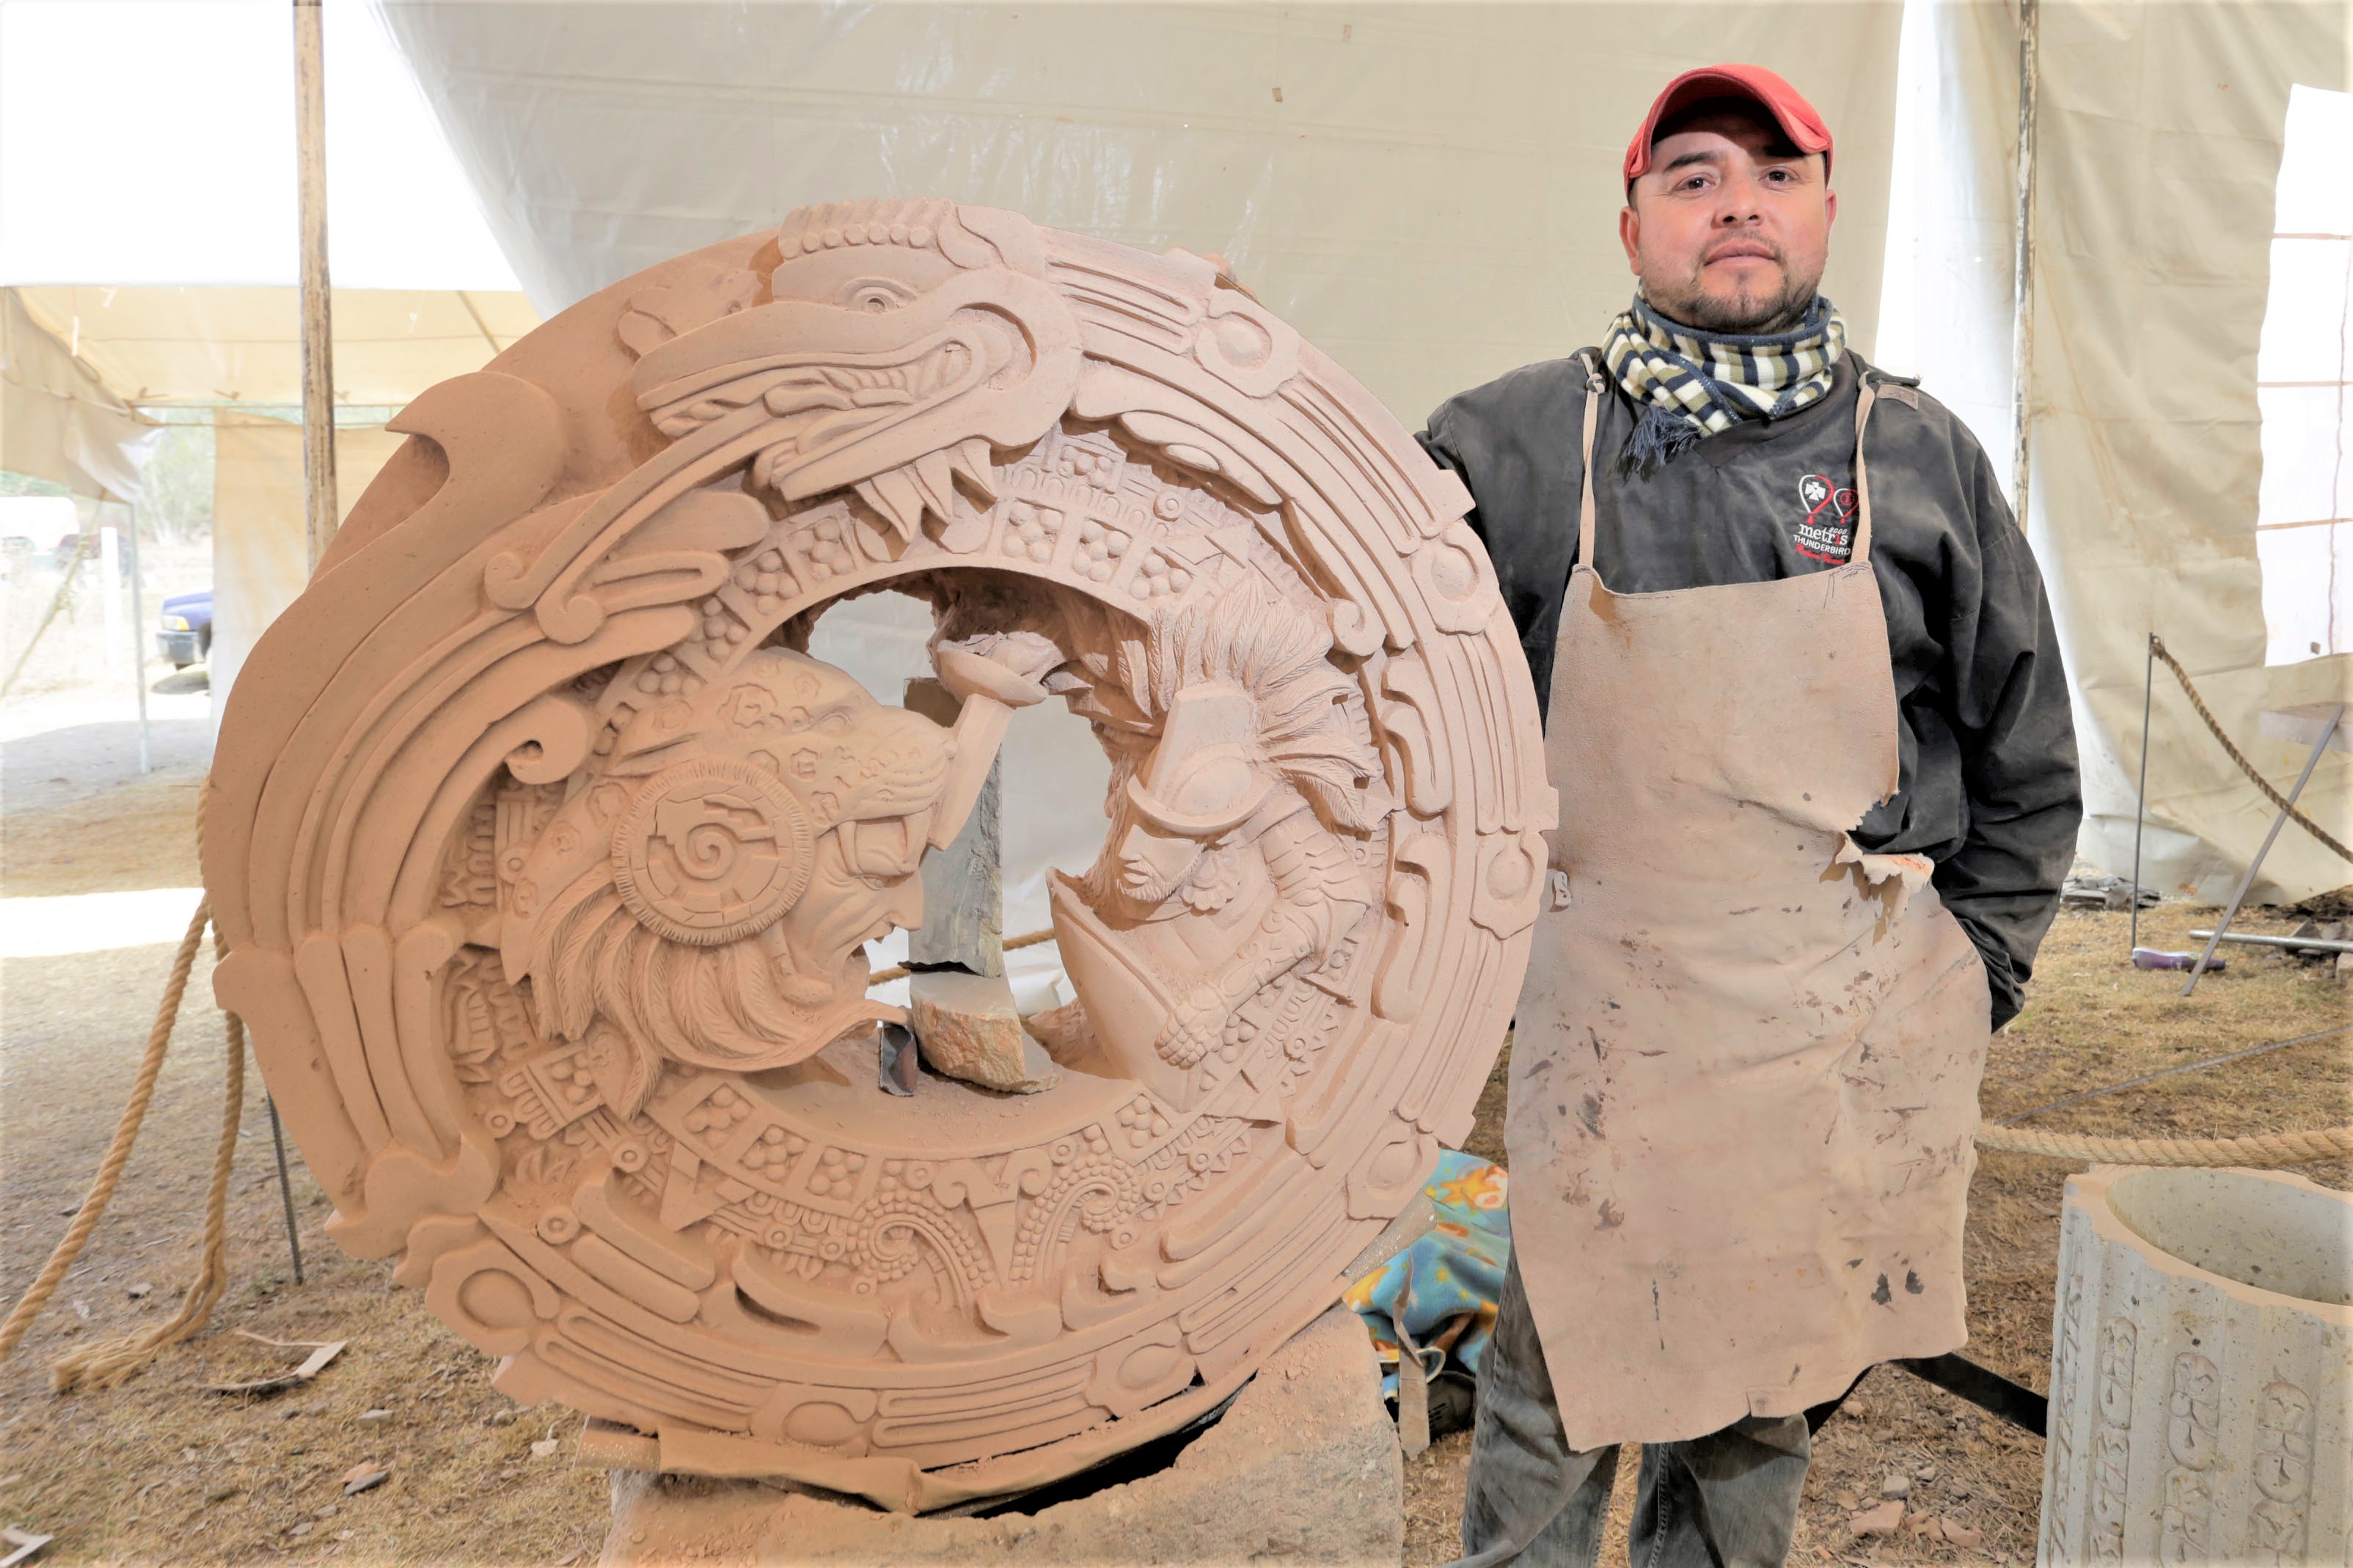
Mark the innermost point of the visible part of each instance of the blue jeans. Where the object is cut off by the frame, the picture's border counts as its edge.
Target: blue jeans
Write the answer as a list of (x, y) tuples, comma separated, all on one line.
[(1726, 1500)]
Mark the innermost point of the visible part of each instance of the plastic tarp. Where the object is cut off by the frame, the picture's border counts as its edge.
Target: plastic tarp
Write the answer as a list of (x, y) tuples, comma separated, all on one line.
[(2159, 141), (58, 420), (158, 345)]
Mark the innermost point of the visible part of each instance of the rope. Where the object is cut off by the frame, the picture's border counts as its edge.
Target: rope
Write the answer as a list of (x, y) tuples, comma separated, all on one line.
[(117, 1154), (118, 1360), (1011, 944), (2165, 654), (2259, 1151), (2262, 1150), (113, 1362)]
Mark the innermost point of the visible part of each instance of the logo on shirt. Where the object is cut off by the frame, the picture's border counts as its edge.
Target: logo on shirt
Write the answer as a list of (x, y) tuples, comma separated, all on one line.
[(1827, 531)]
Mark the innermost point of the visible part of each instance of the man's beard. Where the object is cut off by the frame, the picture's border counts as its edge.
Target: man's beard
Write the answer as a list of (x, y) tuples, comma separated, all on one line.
[(1742, 315)]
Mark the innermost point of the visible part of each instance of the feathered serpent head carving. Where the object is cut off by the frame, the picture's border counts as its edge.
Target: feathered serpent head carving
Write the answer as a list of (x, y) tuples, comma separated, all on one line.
[(891, 347), (706, 898)]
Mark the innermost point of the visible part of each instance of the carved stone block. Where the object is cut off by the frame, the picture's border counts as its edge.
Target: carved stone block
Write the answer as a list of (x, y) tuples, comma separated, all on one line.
[(964, 883), (1304, 1468), (969, 1030), (547, 856), (2202, 1375)]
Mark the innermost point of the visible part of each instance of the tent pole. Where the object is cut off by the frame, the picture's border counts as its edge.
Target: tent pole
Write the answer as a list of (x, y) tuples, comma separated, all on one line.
[(109, 573), (318, 340), (139, 644), (2140, 799), (2021, 344)]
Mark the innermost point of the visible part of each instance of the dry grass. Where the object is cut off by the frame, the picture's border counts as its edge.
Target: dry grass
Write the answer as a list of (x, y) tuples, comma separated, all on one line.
[(161, 1472)]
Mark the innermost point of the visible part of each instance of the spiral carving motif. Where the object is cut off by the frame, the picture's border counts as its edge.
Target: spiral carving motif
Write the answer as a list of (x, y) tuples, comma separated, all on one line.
[(711, 851)]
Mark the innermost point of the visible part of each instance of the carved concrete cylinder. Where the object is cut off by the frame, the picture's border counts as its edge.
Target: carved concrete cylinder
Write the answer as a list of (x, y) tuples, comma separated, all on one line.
[(547, 854), (2201, 1371)]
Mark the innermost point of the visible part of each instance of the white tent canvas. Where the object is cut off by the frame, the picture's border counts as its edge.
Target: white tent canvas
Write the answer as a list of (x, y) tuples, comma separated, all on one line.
[(1429, 191)]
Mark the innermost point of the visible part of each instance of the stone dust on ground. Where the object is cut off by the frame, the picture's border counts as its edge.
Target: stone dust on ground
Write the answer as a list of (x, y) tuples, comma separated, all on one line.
[(163, 1471)]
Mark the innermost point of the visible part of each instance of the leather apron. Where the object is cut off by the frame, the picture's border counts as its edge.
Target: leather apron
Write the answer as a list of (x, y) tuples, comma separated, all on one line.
[(1744, 1078)]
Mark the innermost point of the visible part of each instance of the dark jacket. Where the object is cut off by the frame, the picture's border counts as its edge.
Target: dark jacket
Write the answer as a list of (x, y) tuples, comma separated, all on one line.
[(1989, 788)]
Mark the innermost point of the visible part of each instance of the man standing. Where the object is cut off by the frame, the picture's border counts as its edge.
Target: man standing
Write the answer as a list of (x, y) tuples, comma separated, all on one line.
[(1806, 714)]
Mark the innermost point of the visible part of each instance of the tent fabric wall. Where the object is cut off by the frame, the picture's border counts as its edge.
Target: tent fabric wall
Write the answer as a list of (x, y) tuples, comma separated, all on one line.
[(2160, 145), (1946, 305), (1429, 191), (260, 552), (2156, 154), (59, 421)]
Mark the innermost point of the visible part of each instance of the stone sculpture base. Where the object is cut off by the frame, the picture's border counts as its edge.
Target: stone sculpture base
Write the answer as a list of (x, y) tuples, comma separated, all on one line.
[(1304, 1468), (2201, 1372)]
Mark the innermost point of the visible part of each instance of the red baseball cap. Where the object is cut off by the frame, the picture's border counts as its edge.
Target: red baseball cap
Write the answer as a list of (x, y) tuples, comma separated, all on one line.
[(1786, 104)]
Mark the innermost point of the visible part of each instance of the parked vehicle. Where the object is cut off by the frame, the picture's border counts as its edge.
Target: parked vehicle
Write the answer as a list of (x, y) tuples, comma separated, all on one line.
[(185, 635)]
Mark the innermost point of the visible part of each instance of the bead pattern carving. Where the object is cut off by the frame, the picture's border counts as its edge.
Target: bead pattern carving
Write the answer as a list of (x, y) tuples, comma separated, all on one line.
[(549, 857), (2193, 1427), (2282, 1473), (2066, 1355), (2112, 1446)]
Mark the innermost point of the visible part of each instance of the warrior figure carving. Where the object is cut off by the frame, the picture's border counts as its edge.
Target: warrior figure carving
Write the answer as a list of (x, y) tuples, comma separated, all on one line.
[(1224, 819)]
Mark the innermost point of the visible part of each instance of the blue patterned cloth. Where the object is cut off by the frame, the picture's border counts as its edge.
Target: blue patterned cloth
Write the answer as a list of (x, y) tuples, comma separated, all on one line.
[(1445, 1287)]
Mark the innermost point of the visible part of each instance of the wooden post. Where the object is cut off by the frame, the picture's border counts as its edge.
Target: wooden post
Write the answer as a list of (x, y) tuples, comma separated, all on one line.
[(317, 336), (319, 510), (2022, 343)]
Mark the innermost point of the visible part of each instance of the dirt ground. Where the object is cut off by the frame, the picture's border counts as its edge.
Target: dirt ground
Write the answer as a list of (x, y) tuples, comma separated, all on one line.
[(163, 1471), (2091, 1019)]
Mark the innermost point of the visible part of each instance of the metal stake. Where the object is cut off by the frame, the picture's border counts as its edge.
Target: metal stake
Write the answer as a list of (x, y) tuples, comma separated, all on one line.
[(2140, 801), (2328, 731), (109, 573), (285, 1186)]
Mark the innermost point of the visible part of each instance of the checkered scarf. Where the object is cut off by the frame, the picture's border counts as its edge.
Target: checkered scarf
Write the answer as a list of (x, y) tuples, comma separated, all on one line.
[(1691, 384)]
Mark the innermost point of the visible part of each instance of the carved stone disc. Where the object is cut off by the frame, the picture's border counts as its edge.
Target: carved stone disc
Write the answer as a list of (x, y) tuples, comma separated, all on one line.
[(548, 855)]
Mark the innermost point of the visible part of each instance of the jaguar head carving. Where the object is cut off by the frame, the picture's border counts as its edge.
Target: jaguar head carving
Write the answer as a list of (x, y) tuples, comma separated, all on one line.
[(707, 899)]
